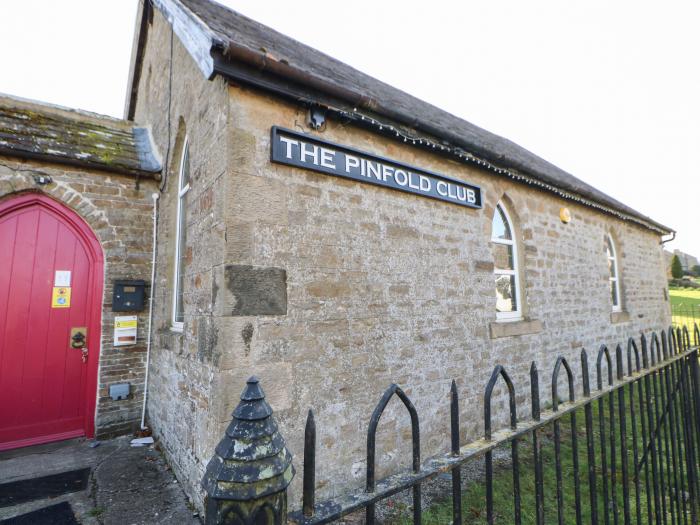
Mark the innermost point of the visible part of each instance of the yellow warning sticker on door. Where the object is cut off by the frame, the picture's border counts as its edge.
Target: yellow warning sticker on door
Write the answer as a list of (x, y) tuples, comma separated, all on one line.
[(60, 298)]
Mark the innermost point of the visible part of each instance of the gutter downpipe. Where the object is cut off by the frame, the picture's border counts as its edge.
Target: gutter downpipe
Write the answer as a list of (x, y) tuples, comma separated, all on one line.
[(673, 236), (155, 197)]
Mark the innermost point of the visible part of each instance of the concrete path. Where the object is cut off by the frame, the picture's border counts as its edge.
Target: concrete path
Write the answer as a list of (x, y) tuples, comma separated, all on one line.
[(127, 486)]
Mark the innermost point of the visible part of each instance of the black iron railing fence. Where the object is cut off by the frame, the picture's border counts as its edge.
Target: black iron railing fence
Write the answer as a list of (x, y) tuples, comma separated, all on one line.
[(638, 462)]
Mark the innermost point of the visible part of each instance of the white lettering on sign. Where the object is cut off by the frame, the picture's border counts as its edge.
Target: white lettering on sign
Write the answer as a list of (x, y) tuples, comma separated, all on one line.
[(309, 151), (351, 162), (401, 177), (327, 158), (303, 151), (424, 183), (289, 143), (387, 171)]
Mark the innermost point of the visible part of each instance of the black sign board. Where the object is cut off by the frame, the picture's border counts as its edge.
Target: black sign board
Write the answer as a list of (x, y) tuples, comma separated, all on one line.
[(304, 151)]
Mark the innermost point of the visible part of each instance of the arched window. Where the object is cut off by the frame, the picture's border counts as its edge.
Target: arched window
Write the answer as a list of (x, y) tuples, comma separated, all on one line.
[(505, 267), (183, 187), (614, 273)]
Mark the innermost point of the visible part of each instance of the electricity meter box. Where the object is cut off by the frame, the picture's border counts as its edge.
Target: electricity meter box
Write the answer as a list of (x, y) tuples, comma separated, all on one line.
[(128, 296)]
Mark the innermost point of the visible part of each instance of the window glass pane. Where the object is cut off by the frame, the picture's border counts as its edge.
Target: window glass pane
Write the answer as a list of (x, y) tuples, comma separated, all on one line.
[(182, 250), (181, 241), (613, 293), (499, 227), (611, 268), (608, 246), (506, 300), (503, 256), (185, 177)]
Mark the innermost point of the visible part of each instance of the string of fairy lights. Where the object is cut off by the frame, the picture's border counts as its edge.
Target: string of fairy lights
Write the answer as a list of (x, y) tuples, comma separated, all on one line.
[(464, 156)]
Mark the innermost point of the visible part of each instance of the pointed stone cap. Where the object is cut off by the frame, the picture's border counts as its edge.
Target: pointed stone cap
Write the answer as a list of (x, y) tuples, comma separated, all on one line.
[(251, 461)]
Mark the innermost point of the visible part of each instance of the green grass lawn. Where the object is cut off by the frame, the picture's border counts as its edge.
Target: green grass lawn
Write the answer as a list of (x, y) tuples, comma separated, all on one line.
[(474, 495), (685, 305)]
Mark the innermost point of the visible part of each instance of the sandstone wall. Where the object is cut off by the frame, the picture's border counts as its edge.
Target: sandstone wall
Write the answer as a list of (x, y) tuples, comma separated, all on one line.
[(176, 100), (384, 286)]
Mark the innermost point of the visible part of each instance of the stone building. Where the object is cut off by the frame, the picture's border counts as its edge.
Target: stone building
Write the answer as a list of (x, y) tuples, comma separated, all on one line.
[(75, 216), (688, 262), (328, 287), (332, 235)]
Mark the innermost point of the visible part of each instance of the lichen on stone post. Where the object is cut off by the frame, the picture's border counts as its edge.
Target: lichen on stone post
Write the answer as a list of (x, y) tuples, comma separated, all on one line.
[(246, 480)]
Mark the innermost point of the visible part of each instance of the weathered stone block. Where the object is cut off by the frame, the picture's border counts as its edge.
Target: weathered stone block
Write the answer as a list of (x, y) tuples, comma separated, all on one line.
[(509, 329), (255, 290), (256, 199), (227, 386)]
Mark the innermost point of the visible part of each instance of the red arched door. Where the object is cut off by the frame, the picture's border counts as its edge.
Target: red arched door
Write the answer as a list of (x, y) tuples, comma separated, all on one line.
[(50, 290)]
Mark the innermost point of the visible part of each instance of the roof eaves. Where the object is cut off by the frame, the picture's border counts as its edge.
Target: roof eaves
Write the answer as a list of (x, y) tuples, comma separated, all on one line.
[(216, 56), (79, 164), (432, 141), (468, 158)]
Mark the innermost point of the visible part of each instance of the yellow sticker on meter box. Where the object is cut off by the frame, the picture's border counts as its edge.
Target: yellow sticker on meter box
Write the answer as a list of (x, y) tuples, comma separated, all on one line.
[(60, 298)]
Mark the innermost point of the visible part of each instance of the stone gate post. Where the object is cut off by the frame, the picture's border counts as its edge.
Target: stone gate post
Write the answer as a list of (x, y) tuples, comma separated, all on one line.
[(246, 480)]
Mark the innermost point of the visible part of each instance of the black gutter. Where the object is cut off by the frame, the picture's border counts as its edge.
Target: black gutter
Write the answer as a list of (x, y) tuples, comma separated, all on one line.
[(673, 236)]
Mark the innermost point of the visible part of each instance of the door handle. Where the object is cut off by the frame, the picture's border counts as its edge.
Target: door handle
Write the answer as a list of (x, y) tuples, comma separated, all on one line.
[(78, 337), (78, 341)]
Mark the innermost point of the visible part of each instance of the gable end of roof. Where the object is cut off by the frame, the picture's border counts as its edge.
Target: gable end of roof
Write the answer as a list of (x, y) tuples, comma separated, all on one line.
[(195, 35)]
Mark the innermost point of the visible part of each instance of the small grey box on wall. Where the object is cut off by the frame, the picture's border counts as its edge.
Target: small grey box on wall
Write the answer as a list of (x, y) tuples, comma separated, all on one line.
[(119, 391)]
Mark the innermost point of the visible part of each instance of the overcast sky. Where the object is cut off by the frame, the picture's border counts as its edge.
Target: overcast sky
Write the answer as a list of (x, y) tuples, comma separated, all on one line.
[(609, 91)]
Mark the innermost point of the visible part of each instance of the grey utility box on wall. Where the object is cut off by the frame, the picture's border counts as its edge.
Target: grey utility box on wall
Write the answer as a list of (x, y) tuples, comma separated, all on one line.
[(119, 391)]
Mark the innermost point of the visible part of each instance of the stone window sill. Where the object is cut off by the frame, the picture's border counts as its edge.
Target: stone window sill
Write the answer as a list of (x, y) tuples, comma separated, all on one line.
[(619, 317), (513, 328)]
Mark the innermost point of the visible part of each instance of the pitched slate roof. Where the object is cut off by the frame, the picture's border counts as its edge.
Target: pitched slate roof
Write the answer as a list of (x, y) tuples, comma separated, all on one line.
[(35, 130), (220, 39)]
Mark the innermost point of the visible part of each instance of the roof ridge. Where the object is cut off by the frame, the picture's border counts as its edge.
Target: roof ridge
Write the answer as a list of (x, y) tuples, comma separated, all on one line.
[(8, 100)]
